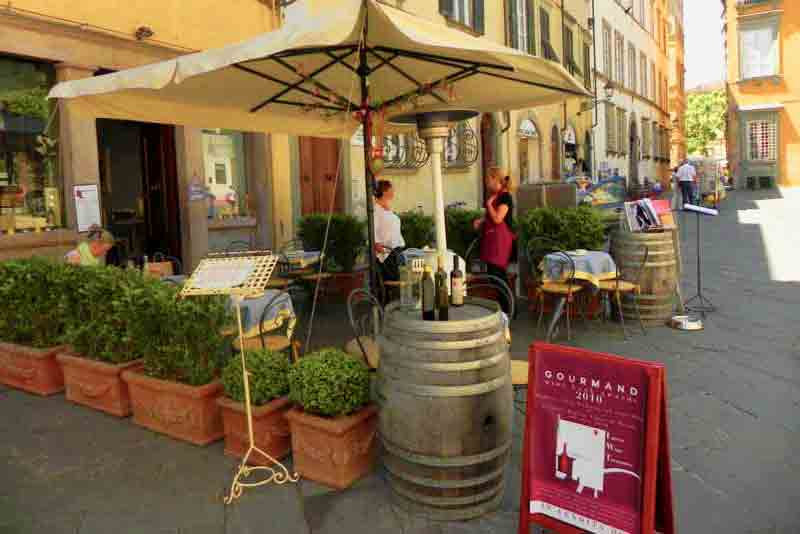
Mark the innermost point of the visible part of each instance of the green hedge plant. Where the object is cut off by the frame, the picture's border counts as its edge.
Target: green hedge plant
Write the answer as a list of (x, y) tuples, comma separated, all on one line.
[(329, 383), (347, 238), (417, 229), (565, 228), (268, 372), (460, 230)]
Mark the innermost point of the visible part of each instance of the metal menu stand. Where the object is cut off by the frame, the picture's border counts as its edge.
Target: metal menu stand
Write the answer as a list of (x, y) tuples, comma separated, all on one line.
[(240, 275)]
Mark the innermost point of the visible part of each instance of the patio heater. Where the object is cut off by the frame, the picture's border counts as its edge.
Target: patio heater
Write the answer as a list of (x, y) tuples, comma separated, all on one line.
[(434, 128)]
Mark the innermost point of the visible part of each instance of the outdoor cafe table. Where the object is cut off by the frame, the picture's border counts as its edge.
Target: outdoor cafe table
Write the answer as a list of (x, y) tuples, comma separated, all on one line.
[(252, 308), (592, 266)]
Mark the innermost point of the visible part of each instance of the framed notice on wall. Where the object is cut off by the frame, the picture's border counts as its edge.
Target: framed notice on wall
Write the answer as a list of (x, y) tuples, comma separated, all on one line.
[(596, 453), (87, 206)]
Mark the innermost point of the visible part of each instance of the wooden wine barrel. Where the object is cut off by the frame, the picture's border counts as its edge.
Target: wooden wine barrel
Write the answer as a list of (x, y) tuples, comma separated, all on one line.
[(659, 276), (445, 395)]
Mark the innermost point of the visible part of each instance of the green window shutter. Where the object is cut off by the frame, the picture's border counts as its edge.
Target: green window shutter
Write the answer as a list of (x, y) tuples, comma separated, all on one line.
[(531, 27), (513, 32), (446, 8), (479, 23)]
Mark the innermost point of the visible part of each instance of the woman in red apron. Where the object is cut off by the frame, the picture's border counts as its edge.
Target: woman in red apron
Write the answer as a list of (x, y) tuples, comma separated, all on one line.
[(497, 236)]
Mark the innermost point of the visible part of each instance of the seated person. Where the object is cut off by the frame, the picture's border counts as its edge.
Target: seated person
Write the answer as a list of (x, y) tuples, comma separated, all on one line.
[(92, 252), (389, 242)]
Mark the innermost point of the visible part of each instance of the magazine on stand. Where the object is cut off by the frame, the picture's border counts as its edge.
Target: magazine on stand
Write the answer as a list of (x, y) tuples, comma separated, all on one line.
[(642, 216)]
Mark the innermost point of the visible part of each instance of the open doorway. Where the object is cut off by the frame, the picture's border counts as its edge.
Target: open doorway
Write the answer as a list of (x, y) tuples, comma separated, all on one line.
[(139, 184)]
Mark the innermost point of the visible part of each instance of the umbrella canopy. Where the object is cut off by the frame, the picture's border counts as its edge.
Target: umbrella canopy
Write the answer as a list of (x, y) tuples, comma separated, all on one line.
[(304, 78)]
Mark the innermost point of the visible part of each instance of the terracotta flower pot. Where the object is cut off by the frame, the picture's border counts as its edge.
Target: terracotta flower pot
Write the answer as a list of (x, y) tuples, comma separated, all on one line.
[(335, 452), (97, 384), (270, 429), (30, 369), (189, 413)]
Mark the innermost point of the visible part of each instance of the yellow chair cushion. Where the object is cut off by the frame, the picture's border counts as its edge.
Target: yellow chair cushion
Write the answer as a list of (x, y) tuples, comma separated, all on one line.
[(370, 346), (519, 372), (275, 343), (561, 288), (623, 287)]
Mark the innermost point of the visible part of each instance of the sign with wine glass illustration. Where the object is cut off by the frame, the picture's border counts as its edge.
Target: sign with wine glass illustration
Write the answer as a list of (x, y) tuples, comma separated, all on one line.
[(596, 456)]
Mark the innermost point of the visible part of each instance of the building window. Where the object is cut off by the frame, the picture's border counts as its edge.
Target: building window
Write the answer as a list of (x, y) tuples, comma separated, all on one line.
[(758, 43), (643, 65), (569, 53), (226, 171), (654, 140), (587, 66), (607, 57), (762, 140), (547, 48), (650, 17), (461, 147), (619, 54), (632, 67), (520, 25), (31, 190), (652, 81), (622, 131), (646, 143), (468, 13), (641, 16), (611, 129)]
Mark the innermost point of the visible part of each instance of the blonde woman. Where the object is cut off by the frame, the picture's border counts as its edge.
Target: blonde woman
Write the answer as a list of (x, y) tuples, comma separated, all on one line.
[(92, 252), (497, 236)]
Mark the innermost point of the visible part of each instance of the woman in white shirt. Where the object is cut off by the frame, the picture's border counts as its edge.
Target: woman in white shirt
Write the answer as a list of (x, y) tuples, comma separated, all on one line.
[(389, 240)]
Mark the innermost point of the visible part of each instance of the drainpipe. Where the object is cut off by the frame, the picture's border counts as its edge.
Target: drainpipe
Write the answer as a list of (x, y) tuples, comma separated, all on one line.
[(594, 79)]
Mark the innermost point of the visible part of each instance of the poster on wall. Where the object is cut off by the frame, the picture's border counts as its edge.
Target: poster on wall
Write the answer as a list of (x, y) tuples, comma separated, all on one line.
[(87, 206), (594, 425)]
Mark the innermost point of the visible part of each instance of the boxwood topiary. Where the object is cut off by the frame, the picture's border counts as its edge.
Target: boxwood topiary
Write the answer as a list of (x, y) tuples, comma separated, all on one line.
[(329, 383), (269, 376)]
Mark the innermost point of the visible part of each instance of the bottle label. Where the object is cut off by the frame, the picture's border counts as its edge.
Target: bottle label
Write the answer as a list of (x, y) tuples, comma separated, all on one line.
[(458, 291)]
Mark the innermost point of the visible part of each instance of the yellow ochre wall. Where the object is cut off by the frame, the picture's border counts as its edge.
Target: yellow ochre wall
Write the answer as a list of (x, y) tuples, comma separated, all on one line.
[(783, 89)]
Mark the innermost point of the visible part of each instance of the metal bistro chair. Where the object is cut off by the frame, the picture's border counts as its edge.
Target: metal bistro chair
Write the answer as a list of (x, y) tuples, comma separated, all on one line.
[(620, 286), (366, 319), (470, 260), (478, 284), (282, 333), (564, 288)]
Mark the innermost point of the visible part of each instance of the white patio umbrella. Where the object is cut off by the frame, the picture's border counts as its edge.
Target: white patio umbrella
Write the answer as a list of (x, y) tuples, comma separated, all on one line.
[(324, 76)]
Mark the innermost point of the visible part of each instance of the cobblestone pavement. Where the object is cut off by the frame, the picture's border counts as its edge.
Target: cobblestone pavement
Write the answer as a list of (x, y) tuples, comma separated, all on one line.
[(734, 409)]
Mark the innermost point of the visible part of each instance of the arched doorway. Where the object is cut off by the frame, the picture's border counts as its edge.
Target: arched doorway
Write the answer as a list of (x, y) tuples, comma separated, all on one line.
[(633, 162), (529, 151), (555, 155)]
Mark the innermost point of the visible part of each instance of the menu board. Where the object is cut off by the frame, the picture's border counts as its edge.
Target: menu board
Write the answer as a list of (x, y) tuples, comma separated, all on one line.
[(87, 206), (590, 419), (223, 275)]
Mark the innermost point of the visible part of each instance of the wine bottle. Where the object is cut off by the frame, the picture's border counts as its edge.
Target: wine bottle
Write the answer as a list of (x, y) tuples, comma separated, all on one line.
[(563, 465), (428, 295), (442, 295), (456, 285)]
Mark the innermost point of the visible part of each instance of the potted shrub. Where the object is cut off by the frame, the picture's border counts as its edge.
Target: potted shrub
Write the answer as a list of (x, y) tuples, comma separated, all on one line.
[(417, 229), (33, 310), (102, 343), (269, 387), (346, 240), (184, 346), (333, 427)]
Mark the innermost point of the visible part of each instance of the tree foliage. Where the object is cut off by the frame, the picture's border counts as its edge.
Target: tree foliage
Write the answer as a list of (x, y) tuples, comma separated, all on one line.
[(705, 121)]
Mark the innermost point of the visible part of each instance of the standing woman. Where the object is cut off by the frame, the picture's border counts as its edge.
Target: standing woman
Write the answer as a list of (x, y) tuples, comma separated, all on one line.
[(497, 236)]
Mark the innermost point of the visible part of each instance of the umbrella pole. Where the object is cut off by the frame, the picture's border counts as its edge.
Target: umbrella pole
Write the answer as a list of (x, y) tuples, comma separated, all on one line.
[(369, 179)]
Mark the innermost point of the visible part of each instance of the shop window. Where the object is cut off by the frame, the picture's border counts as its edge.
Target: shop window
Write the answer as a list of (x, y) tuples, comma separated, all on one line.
[(762, 140), (226, 172), (31, 188), (758, 42)]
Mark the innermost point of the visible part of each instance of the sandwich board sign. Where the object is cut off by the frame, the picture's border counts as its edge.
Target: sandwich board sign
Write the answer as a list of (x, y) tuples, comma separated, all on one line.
[(596, 452)]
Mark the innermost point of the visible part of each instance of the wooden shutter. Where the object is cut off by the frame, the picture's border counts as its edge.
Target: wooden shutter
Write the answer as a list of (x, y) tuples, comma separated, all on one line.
[(531, 27), (544, 22), (446, 8), (511, 18), (479, 25)]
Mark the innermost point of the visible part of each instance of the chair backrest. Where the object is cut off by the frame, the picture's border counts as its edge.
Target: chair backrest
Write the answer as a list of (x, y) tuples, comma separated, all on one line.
[(291, 327), (177, 266), (568, 262), (488, 281), (291, 246), (366, 316)]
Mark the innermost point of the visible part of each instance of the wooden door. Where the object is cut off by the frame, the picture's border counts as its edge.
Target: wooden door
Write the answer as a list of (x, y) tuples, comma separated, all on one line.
[(160, 190), (319, 163)]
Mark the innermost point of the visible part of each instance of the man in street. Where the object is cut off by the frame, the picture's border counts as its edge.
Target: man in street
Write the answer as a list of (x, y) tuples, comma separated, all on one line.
[(686, 178)]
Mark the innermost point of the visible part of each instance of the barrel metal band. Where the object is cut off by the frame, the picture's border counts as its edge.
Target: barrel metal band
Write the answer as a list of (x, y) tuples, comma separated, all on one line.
[(445, 484), (447, 501), (445, 345), (450, 514), (447, 327), (438, 461), (448, 391), (444, 366)]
